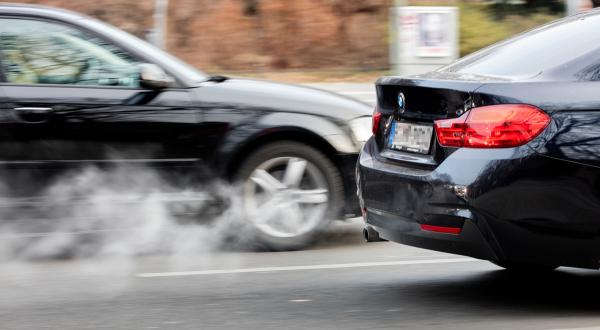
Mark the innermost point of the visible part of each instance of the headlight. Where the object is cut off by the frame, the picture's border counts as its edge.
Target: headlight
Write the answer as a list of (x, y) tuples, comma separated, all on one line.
[(361, 129)]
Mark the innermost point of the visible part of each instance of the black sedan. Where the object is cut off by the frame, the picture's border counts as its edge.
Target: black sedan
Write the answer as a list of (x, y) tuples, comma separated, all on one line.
[(76, 92), (496, 156)]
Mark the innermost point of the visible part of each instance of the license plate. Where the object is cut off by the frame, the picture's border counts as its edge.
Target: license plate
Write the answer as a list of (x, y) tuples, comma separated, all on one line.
[(410, 137)]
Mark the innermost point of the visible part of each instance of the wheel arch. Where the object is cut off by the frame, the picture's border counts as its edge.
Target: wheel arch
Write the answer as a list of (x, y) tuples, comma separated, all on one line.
[(265, 137)]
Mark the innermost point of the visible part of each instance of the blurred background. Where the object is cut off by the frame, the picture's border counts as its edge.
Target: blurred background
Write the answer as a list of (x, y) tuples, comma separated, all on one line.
[(339, 283), (304, 40)]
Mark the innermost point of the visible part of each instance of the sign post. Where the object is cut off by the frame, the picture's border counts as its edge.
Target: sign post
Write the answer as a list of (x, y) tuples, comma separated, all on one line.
[(423, 38), (159, 33)]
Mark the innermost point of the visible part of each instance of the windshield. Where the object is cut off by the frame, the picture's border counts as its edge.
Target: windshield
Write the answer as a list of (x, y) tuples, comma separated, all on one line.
[(166, 59), (534, 52)]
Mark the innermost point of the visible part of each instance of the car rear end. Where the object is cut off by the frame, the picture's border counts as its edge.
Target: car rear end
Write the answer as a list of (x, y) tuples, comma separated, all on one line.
[(495, 156), (404, 190), (452, 169)]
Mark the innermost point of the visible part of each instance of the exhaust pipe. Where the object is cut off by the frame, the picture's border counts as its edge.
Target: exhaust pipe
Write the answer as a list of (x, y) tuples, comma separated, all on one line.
[(371, 235)]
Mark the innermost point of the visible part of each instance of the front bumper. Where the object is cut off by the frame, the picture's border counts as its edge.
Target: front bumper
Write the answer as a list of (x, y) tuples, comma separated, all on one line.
[(475, 190)]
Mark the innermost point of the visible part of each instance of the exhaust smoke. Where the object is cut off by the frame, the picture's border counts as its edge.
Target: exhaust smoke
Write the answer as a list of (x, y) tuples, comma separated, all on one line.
[(122, 212)]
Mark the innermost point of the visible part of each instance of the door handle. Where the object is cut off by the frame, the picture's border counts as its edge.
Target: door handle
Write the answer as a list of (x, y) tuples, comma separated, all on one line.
[(33, 114)]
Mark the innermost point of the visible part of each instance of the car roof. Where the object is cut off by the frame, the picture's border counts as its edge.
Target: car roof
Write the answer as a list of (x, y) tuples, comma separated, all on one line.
[(8, 8), (572, 41)]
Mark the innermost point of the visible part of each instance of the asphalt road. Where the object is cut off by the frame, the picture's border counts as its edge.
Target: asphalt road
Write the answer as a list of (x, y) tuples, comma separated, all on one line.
[(361, 91), (341, 283)]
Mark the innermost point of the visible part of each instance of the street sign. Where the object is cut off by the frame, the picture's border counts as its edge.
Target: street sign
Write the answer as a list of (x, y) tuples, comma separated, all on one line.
[(423, 38), (577, 6)]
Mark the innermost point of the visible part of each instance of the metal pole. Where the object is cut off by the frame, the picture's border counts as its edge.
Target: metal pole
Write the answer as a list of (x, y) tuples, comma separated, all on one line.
[(394, 55), (571, 7), (160, 23)]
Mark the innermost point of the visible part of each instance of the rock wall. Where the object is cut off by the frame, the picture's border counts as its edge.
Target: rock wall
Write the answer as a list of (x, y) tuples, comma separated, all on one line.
[(254, 35)]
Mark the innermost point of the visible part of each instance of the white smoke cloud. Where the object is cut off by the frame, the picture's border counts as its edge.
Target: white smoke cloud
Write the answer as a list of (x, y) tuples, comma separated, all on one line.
[(122, 212)]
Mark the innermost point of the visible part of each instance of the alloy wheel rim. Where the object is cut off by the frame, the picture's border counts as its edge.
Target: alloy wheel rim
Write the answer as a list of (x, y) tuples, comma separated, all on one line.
[(286, 197)]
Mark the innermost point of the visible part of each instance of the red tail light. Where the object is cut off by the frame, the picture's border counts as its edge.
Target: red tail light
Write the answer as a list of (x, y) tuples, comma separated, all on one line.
[(376, 119), (443, 230), (495, 126)]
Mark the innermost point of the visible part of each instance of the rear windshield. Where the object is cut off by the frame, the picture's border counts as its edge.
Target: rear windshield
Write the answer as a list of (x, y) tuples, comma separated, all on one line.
[(536, 51)]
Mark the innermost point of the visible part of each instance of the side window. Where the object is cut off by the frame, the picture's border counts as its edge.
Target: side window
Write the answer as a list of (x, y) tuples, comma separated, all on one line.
[(39, 52)]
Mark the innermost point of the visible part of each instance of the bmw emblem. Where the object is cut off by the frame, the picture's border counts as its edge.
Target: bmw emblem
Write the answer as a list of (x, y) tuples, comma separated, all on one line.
[(401, 102)]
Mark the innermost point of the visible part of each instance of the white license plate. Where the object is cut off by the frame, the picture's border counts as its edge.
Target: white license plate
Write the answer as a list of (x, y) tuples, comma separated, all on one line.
[(410, 137)]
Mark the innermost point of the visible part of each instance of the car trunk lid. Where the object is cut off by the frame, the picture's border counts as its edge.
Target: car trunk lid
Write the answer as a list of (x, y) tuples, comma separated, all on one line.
[(409, 106)]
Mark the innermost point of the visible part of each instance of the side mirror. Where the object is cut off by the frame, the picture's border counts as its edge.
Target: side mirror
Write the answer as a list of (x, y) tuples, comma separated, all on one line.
[(154, 77)]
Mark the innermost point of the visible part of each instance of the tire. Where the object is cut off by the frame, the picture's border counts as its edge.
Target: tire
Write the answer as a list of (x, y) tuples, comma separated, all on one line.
[(295, 215), (521, 267)]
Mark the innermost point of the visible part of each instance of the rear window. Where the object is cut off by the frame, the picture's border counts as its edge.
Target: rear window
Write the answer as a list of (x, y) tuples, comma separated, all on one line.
[(536, 51)]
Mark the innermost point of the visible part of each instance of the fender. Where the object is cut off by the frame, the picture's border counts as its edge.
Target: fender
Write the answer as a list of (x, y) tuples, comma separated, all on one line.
[(244, 134), (332, 133)]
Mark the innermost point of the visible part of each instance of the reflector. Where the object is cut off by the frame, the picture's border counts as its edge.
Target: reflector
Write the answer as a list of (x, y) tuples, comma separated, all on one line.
[(439, 229)]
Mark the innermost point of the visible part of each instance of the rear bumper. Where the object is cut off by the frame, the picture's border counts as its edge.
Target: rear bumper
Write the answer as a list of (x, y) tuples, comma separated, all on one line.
[(347, 163), (466, 191), (470, 242)]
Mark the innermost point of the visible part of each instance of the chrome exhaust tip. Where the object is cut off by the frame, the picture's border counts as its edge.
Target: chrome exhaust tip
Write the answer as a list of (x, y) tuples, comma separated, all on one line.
[(371, 235)]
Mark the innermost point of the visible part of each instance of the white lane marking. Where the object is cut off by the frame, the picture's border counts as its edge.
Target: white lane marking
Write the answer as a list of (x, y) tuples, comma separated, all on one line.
[(300, 300), (589, 328), (308, 267), (113, 160)]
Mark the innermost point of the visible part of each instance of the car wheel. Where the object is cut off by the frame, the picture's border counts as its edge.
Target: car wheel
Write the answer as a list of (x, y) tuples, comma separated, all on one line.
[(522, 267), (291, 191)]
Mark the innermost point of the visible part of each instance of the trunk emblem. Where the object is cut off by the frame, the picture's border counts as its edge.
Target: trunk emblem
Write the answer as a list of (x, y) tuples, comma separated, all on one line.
[(401, 103)]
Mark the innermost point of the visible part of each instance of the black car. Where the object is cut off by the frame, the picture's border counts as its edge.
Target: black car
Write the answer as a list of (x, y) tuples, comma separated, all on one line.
[(496, 156), (75, 91)]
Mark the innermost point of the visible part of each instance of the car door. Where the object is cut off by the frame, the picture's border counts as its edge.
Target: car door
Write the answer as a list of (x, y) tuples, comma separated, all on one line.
[(69, 98)]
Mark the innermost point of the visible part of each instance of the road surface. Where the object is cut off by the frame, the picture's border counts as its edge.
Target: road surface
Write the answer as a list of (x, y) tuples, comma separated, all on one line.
[(341, 283), (361, 91)]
